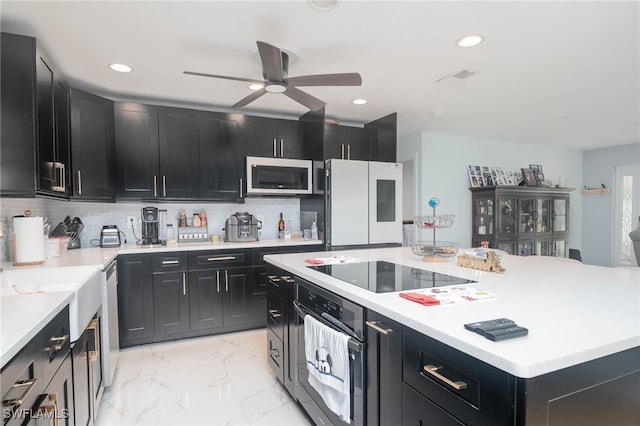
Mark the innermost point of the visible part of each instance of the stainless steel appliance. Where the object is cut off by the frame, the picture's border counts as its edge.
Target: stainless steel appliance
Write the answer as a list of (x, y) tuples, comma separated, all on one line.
[(279, 176), (345, 317), (384, 277), (110, 334), (241, 226), (150, 226), (363, 203), (110, 236)]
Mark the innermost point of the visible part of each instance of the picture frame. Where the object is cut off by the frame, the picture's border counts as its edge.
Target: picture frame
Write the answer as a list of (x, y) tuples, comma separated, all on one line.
[(537, 170), (475, 176), (529, 177)]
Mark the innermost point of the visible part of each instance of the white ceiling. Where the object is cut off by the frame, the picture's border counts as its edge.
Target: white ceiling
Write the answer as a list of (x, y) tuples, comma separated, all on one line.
[(555, 73)]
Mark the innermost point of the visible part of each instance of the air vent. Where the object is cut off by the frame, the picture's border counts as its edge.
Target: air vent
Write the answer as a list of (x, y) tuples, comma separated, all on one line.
[(463, 74)]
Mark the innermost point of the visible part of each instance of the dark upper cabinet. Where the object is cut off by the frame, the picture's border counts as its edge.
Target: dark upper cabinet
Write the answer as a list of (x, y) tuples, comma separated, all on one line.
[(179, 157), (92, 147), (136, 137), (384, 144), (35, 122), (267, 137), (348, 143), (220, 165)]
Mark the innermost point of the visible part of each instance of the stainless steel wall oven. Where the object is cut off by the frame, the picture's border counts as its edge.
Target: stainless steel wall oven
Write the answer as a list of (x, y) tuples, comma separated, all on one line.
[(346, 317)]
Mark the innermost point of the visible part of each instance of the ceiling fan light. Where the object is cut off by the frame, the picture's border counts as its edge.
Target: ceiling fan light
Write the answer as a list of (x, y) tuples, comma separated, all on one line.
[(470, 41), (359, 101), (275, 88), (256, 86), (120, 67)]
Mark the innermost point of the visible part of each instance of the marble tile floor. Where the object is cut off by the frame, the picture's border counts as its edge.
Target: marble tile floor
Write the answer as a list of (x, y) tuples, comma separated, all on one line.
[(214, 380)]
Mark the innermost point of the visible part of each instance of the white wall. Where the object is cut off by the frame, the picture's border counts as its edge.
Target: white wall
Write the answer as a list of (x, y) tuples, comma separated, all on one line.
[(442, 169), (598, 210)]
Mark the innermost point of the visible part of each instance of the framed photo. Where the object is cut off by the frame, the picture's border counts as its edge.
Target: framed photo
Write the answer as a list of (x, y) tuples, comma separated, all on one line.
[(537, 170), (529, 177), (486, 176), (475, 176)]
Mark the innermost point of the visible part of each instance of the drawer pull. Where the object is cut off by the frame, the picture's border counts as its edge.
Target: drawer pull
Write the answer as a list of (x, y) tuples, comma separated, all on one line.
[(170, 262), (49, 411), (433, 370), (215, 259), (58, 343), (16, 402), (93, 326), (274, 313), (378, 326), (274, 353)]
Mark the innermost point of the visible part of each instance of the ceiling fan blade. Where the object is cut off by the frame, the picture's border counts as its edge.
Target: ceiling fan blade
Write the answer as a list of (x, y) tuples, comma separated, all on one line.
[(248, 99), (248, 80), (271, 57), (343, 79), (304, 98)]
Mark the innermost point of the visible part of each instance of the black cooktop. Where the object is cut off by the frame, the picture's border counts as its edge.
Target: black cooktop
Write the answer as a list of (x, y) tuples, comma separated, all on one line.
[(384, 277)]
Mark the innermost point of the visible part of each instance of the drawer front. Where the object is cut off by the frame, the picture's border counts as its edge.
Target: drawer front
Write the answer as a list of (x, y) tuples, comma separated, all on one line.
[(275, 355), (276, 314), (475, 392), (54, 344), (22, 384), (418, 410), (170, 262), (217, 259)]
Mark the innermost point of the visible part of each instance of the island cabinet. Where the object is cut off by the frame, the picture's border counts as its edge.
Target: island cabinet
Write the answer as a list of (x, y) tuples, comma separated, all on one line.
[(522, 220), (269, 137), (37, 384), (92, 147), (35, 122)]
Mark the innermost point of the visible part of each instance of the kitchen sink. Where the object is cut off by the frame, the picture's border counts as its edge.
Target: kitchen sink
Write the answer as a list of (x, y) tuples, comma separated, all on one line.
[(83, 281)]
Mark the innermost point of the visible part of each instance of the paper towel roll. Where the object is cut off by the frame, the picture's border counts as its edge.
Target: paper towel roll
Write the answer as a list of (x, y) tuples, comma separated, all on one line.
[(28, 239)]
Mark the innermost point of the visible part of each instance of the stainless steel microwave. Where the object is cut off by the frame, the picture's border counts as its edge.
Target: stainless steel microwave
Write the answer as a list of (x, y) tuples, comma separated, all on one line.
[(279, 176)]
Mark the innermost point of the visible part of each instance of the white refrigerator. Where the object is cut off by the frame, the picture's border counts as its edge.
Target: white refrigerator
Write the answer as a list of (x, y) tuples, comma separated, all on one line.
[(363, 202)]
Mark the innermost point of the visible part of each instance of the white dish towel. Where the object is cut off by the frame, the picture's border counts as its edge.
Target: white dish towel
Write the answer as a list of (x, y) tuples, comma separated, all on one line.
[(327, 356)]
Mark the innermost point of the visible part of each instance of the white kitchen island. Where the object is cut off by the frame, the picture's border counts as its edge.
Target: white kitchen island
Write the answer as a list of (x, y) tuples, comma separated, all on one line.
[(578, 317)]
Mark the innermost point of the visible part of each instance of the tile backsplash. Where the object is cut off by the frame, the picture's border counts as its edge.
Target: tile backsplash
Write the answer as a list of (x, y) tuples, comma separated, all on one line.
[(95, 215)]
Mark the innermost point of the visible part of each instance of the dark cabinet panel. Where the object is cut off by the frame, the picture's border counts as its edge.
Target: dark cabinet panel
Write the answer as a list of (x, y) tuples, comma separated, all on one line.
[(82, 394), (220, 167), (135, 297), (205, 299), (93, 147), (56, 402), (170, 302), (266, 137), (238, 297), (418, 410), (347, 143), (136, 136), (179, 142), (385, 135)]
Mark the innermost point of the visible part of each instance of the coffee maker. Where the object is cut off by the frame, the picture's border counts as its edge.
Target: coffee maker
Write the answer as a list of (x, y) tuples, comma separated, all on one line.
[(150, 226)]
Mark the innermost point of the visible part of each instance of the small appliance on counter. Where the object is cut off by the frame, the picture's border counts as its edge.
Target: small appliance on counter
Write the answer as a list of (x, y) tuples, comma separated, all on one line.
[(110, 236), (241, 226), (69, 227), (150, 236)]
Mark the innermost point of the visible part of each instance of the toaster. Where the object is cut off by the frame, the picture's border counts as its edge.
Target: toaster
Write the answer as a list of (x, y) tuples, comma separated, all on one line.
[(110, 236)]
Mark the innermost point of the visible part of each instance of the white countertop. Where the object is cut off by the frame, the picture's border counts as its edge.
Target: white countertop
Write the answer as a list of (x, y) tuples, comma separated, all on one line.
[(574, 312), (23, 316)]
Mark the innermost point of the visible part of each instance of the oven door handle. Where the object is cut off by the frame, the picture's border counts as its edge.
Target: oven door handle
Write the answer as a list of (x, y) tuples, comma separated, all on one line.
[(354, 344)]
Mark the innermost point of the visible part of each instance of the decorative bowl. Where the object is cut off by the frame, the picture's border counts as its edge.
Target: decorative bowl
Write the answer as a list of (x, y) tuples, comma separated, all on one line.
[(434, 222), (440, 249)]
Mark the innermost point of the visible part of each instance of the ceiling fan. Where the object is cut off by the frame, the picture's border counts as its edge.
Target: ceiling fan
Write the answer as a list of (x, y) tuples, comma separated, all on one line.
[(275, 69)]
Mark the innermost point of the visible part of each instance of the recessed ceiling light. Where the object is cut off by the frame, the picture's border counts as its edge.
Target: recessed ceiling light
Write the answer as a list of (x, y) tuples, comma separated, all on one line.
[(359, 101), (120, 67), (256, 86), (470, 41)]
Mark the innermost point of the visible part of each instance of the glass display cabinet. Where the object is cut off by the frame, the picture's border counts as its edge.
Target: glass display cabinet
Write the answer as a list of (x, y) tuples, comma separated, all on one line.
[(524, 221)]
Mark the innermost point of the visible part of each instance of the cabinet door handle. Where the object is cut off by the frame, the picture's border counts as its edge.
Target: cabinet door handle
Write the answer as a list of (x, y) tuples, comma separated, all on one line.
[(16, 402), (275, 148), (215, 259), (274, 313), (184, 284), (281, 147), (379, 327), (226, 280), (164, 185), (93, 325), (155, 185), (348, 152), (342, 151), (218, 280), (56, 343), (49, 411), (170, 262), (79, 183), (433, 370), (241, 187)]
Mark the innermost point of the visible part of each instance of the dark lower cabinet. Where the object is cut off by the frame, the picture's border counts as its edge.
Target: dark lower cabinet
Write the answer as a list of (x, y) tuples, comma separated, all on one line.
[(82, 394), (205, 300), (56, 405), (238, 301), (135, 298), (418, 410)]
